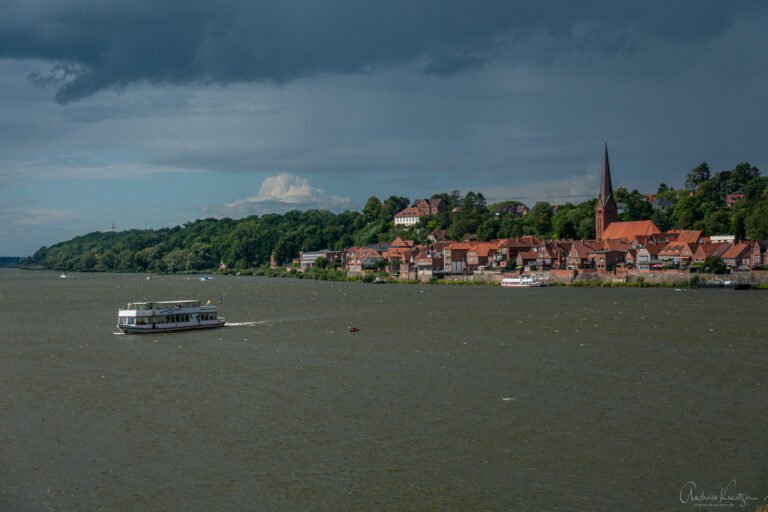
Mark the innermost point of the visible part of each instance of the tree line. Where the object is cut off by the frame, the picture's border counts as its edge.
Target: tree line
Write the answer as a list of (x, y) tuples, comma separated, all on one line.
[(250, 242)]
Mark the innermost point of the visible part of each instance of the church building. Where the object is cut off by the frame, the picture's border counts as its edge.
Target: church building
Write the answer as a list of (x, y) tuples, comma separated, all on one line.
[(607, 225)]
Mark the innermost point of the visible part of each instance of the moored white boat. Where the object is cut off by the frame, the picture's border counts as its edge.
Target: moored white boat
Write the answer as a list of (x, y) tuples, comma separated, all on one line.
[(520, 282), (167, 316)]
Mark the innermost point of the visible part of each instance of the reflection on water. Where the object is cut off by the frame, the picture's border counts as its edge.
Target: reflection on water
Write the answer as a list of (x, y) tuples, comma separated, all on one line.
[(462, 398)]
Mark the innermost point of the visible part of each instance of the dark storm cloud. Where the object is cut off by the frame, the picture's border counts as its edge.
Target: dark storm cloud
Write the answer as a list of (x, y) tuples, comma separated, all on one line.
[(100, 44)]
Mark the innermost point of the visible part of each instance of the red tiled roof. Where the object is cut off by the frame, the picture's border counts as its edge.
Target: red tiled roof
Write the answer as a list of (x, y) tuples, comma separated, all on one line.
[(708, 249), (439, 246), (653, 249), (615, 245), (422, 255), (405, 252), (671, 249), (642, 239), (686, 236), (399, 242), (584, 247), (736, 250), (629, 230), (483, 248), (459, 246), (521, 241), (440, 233), (409, 212)]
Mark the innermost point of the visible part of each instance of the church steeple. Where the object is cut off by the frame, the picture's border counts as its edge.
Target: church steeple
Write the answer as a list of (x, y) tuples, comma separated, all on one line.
[(606, 210), (606, 189)]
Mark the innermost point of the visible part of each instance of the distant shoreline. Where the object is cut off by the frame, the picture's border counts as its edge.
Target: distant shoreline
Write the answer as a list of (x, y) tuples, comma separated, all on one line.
[(341, 277)]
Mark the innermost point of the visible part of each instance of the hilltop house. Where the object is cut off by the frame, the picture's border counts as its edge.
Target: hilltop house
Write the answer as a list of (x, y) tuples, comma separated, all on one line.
[(428, 206), (732, 199), (408, 217), (420, 208)]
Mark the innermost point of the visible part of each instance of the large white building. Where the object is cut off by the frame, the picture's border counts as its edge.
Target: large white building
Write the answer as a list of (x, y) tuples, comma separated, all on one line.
[(408, 217)]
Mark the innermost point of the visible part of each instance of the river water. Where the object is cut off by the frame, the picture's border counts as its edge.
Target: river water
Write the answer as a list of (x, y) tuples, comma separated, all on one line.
[(448, 398)]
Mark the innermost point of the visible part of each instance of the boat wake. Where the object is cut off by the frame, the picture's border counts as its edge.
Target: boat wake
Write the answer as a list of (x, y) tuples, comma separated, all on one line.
[(243, 324)]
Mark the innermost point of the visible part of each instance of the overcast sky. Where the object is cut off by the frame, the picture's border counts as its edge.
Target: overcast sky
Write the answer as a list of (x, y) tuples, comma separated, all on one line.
[(154, 113)]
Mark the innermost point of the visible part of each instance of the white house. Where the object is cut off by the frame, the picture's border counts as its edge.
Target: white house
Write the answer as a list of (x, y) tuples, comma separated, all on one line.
[(408, 217)]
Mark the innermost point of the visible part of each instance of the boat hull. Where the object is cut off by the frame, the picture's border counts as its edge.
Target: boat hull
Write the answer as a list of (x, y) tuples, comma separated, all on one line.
[(135, 329), (520, 282)]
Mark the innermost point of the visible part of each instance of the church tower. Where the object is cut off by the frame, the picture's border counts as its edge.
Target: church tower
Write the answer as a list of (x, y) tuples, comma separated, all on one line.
[(606, 210)]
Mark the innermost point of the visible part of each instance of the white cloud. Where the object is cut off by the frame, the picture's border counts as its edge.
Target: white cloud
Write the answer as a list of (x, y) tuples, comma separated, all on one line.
[(284, 192)]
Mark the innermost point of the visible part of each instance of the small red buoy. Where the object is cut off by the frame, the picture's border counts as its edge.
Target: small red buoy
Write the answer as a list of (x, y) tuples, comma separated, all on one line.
[(352, 328)]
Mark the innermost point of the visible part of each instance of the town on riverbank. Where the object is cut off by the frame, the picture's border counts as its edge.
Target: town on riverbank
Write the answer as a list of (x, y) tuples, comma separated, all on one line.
[(622, 252), (713, 231)]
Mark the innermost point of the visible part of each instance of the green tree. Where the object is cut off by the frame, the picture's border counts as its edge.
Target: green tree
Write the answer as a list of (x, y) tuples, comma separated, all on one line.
[(539, 219), (696, 176), (756, 223), (714, 264), (564, 221), (635, 205), (717, 222), (489, 229), (372, 209), (741, 175), (394, 204), (687, 212)]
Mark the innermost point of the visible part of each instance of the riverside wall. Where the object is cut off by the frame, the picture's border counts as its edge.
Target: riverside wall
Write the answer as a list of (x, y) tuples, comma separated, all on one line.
[(619, 276), (653, 277)]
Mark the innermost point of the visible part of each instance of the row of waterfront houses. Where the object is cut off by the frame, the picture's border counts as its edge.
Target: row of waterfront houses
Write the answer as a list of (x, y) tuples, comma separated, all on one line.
[(636, 245)]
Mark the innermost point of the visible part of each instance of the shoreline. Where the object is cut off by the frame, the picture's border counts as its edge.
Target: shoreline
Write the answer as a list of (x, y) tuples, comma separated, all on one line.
[(332, 275)]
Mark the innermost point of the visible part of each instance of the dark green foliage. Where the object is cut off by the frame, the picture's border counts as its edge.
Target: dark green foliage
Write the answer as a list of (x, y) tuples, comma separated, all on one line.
[(714, 265), (470, 212), (635, 205), (698, 175), (203, 244), (392, 205), (576, 222)]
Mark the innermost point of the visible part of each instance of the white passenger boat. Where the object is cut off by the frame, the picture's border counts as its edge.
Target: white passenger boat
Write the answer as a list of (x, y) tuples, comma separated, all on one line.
[(520, 282), (167, 316)]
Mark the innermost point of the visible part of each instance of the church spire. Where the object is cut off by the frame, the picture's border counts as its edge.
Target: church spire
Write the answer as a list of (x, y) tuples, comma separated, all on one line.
[(606, 189), (606, 210)]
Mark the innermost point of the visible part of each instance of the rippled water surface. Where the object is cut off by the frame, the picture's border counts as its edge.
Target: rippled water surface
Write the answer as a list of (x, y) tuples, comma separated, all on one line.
[(449, 397)]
